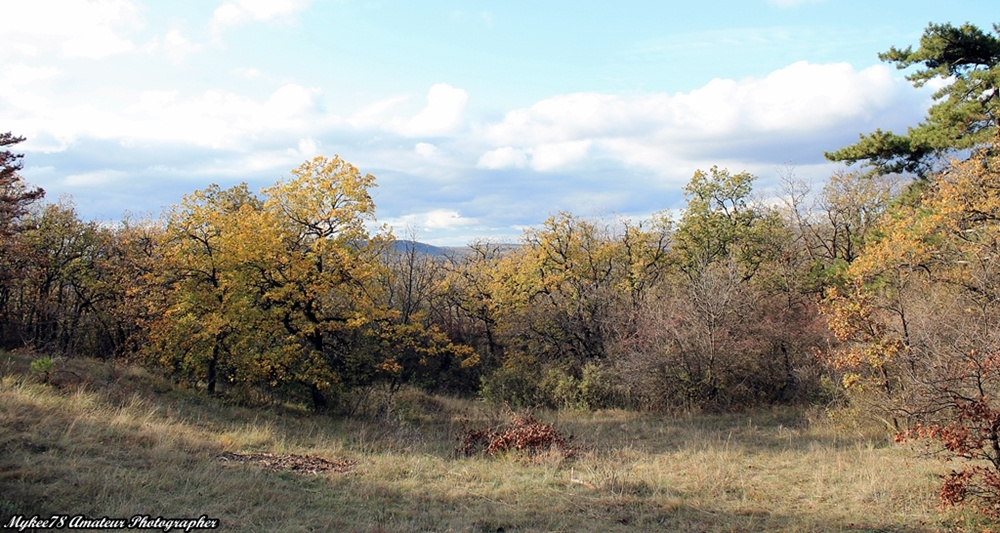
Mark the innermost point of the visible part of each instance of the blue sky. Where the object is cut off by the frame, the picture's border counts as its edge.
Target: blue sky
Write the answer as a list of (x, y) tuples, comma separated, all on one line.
[(479, 118)]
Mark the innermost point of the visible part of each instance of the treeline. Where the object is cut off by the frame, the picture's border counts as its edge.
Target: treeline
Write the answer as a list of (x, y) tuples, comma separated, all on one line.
[(293, 292), (288, 294)]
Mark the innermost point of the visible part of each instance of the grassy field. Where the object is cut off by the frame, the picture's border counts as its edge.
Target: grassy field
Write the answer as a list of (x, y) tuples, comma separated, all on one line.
[(117, 442)]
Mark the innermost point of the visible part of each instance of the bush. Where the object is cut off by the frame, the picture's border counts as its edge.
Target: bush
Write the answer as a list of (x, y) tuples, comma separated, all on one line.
[(515, 383)]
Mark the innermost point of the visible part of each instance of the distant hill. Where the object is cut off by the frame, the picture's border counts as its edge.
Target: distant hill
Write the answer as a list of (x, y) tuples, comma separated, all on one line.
[(402, 245)]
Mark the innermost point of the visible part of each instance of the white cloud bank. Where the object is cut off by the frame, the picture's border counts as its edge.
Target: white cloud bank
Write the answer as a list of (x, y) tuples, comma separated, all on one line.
[(72, 28), (443, 114), (443, 172), (651, 130)]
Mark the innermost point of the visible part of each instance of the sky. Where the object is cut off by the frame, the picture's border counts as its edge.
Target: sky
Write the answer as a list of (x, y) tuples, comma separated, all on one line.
[(478, 118)]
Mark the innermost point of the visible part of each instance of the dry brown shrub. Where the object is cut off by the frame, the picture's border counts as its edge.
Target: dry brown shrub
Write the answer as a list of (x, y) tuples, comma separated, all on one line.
[(522, 432)]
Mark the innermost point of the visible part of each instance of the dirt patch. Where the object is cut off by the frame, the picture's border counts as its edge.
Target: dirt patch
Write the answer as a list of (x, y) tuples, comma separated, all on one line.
[(289, 462)]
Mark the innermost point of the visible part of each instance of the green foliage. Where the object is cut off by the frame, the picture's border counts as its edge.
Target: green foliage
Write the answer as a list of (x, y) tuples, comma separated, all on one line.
[(967, 109), (560, 389), (43, 367), (721, 223), (515, 383), (600, 388)]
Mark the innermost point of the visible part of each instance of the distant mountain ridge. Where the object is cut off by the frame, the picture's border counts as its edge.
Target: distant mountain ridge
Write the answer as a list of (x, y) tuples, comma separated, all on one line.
[(404, 245)]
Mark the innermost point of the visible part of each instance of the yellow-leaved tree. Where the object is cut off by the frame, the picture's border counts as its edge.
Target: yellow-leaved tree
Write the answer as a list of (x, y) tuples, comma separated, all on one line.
[(288, 292), (921, 324), (209, 304), (322, 288)]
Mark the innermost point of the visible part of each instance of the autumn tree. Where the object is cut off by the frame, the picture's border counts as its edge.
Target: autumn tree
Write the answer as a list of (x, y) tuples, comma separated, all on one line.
[(920, 325), (967, 108), (323, 288), (832, 228), (472, 290), (559, 308), (414, 337), (208, 304)]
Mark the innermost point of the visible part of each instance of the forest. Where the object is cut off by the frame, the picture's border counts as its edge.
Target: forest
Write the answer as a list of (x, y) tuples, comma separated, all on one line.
[(876, 293)]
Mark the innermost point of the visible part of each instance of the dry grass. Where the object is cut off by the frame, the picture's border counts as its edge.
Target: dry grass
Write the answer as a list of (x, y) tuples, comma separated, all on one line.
[(116, 449)]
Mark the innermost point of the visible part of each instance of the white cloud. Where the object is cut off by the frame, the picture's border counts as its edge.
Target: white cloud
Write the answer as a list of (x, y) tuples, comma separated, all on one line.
[(567, 117), (72, 28), (292, 100), (214, 119), (554, 156), (16, 74), (307, 148), (435, 219), (235, 12), (446, 218), (442, 115), (174, 45), (426, 150), (219, 119), (651, 130), (22, 92), (503, 157)]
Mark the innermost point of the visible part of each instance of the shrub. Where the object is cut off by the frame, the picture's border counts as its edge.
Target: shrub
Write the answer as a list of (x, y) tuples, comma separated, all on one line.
[(521, 432)]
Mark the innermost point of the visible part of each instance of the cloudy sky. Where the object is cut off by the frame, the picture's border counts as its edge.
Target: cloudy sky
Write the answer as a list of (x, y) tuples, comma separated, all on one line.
[(478, 117)]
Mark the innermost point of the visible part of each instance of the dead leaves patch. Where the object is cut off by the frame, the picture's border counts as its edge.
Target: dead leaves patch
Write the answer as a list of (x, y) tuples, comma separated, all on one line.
[(289, 462), (522, 432)]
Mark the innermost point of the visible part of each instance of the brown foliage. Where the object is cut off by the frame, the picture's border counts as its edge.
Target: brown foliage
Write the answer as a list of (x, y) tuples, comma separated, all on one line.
[(973, 435), (522, 432)]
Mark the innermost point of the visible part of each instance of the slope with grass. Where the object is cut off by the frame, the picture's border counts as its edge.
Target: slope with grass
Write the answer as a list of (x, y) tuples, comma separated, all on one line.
[(112, 441)]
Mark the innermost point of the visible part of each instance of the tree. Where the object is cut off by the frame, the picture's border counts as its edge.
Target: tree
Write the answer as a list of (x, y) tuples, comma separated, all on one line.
[(277, 290), (472, 289), (15, 199), (323, 286), (414, 339), (209, 303), (15, 195), (833, 228), (967, 112), (920, 325), (735, 332), (721, 223)]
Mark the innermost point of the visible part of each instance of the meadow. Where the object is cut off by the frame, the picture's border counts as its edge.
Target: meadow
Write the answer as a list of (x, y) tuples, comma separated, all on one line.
[(107, 440)]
